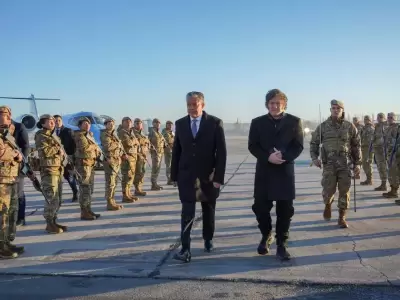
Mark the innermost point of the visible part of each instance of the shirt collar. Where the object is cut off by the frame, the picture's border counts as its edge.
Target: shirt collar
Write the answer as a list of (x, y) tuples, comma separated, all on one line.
[(197, 119)]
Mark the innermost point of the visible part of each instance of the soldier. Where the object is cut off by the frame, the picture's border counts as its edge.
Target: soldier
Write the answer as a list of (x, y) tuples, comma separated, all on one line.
[(131, 147), (366, 136), (112, 163), (397, 158), (141, 158), (169, 140), (390, 141), (86, 154), (157, 150), (340, 141), (10, 160), (359, 127), (378, 145), (51, 158)]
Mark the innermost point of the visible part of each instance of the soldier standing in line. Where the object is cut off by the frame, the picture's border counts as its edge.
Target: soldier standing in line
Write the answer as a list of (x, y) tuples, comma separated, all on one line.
[(340, 141), (141, 157), (51, 158), (366, 136), (157, 151), (169, 139), (10, 160), (397, 157), (131, 147), (86, 154), (390, 139), (359, 127), (378, 144), (112, 162)]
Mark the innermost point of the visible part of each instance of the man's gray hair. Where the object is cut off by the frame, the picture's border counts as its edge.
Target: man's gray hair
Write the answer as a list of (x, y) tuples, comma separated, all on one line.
[(194, 94)]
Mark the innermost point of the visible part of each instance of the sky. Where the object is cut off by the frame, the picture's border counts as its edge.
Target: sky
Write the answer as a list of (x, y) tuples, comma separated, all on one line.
[(140, 58)]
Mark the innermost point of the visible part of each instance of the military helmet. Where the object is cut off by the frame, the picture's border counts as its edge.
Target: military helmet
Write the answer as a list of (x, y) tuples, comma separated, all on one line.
[(367, 118), (42, 118), (108, 120), (83, 119), (126, 119), (338, 103), (155, 120), (137, 120)]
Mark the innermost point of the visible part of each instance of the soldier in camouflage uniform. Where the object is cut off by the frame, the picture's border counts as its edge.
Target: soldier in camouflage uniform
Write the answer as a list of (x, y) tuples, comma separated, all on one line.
[(169, 139), (390, 139), (10, 160), (157, 150), (141, 158), (366, 136), (131, 148), (340, 141), (51, 158), (397, 156), (359, 126), (112, 150), (378, 145), (86, 155)]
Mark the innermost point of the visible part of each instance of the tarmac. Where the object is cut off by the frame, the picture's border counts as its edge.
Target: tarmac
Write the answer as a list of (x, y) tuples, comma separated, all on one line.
[(139, 241)]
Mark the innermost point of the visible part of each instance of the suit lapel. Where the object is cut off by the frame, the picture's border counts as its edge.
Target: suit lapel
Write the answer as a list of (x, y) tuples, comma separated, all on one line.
[(203, 123), (281, 124)]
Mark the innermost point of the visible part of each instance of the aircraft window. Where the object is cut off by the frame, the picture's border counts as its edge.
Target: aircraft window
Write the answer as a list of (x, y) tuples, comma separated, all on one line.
[(74, 122), (95, 119)]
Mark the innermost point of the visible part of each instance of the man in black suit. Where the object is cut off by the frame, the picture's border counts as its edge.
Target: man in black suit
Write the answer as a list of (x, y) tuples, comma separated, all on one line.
[(66, 136), (276, 140), (198, 167), (22, 140)]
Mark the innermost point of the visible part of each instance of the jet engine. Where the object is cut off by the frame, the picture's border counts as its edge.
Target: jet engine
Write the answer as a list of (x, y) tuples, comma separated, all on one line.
[(28, 120)]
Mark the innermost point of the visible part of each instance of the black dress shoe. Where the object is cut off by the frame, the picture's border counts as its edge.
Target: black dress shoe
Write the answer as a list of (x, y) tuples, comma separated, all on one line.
[(282, 253), (208, 246), (265, 244), (21, 222), (183, 255)]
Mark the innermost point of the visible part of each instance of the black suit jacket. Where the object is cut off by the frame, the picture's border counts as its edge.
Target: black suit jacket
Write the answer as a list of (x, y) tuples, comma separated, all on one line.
[(21, 138), (198, 157), (275, 182), (67, 139)]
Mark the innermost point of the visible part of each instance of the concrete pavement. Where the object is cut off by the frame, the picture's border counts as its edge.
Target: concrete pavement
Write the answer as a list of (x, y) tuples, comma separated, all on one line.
[(136, 242)]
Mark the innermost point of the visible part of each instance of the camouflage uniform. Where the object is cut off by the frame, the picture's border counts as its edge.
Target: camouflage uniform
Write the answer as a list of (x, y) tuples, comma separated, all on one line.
[(340, 141), (51, 160), (390, 139), (131, 147), (157, 150), (86, 155), (141, 161), (366, 136), (169, 139), (378, 145), (359, 127), (8, 173), (397, 157), (112, 164)]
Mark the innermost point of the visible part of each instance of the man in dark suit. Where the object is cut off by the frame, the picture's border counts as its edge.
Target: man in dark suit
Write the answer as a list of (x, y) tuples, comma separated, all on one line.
[(198, 167), (276, 140), (66, 136), (22, 140)]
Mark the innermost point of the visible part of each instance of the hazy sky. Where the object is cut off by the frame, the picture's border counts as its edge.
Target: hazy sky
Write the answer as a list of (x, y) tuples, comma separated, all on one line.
[(140, 58)]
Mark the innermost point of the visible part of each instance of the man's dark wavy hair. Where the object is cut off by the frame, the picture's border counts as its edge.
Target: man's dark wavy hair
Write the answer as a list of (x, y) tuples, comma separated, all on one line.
[(275, 93)]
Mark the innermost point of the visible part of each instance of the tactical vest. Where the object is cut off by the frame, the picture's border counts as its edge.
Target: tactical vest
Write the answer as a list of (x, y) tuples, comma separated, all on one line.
[(378, 138), (111, 144), (129, 141), (366, 135), (169, 138), (48, 148), (335, 139), (157, 140), (143, 141), (8, 169), (85, 149), (390, 137)]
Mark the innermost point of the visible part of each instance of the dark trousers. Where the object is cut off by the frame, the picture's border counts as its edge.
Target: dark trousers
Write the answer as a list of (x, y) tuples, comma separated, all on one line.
[(188, 213), (71, 181), (21, 198), (284, 213)]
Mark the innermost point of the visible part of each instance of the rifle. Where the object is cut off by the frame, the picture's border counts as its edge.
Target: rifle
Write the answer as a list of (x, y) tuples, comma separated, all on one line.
[(26, 169)]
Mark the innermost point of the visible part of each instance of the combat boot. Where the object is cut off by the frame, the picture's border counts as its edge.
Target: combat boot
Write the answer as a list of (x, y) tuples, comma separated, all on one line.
[(342, 219), (139, 192), (368, 181), (6, 252), (265, 244), (327, 212), (155, 187), (15, 249), (75, 196), (392, 193), (281, 250), (53, 228), (94, 214), (64, 228), (126, 198), (132, 196), (382, 187), (86, 215), (111, 205)]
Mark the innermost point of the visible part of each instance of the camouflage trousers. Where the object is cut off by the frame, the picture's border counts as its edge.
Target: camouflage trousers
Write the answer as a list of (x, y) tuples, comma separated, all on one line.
[(393, 176), (367, 158), (168, 160), (156, 159), (110, 174), (13, 211), (52, 187), (336, 174), (86, 185), (139, 172), (5, 199), (128, 169), (381, 163)]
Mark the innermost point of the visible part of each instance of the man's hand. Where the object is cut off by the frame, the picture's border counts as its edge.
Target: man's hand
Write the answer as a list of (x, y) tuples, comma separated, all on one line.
[(356, 170), (216, 185), (276, 158), (317, 162)]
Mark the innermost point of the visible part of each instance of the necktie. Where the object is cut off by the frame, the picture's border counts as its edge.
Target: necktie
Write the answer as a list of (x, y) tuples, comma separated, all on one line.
[(58, 131), (194, 128)]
